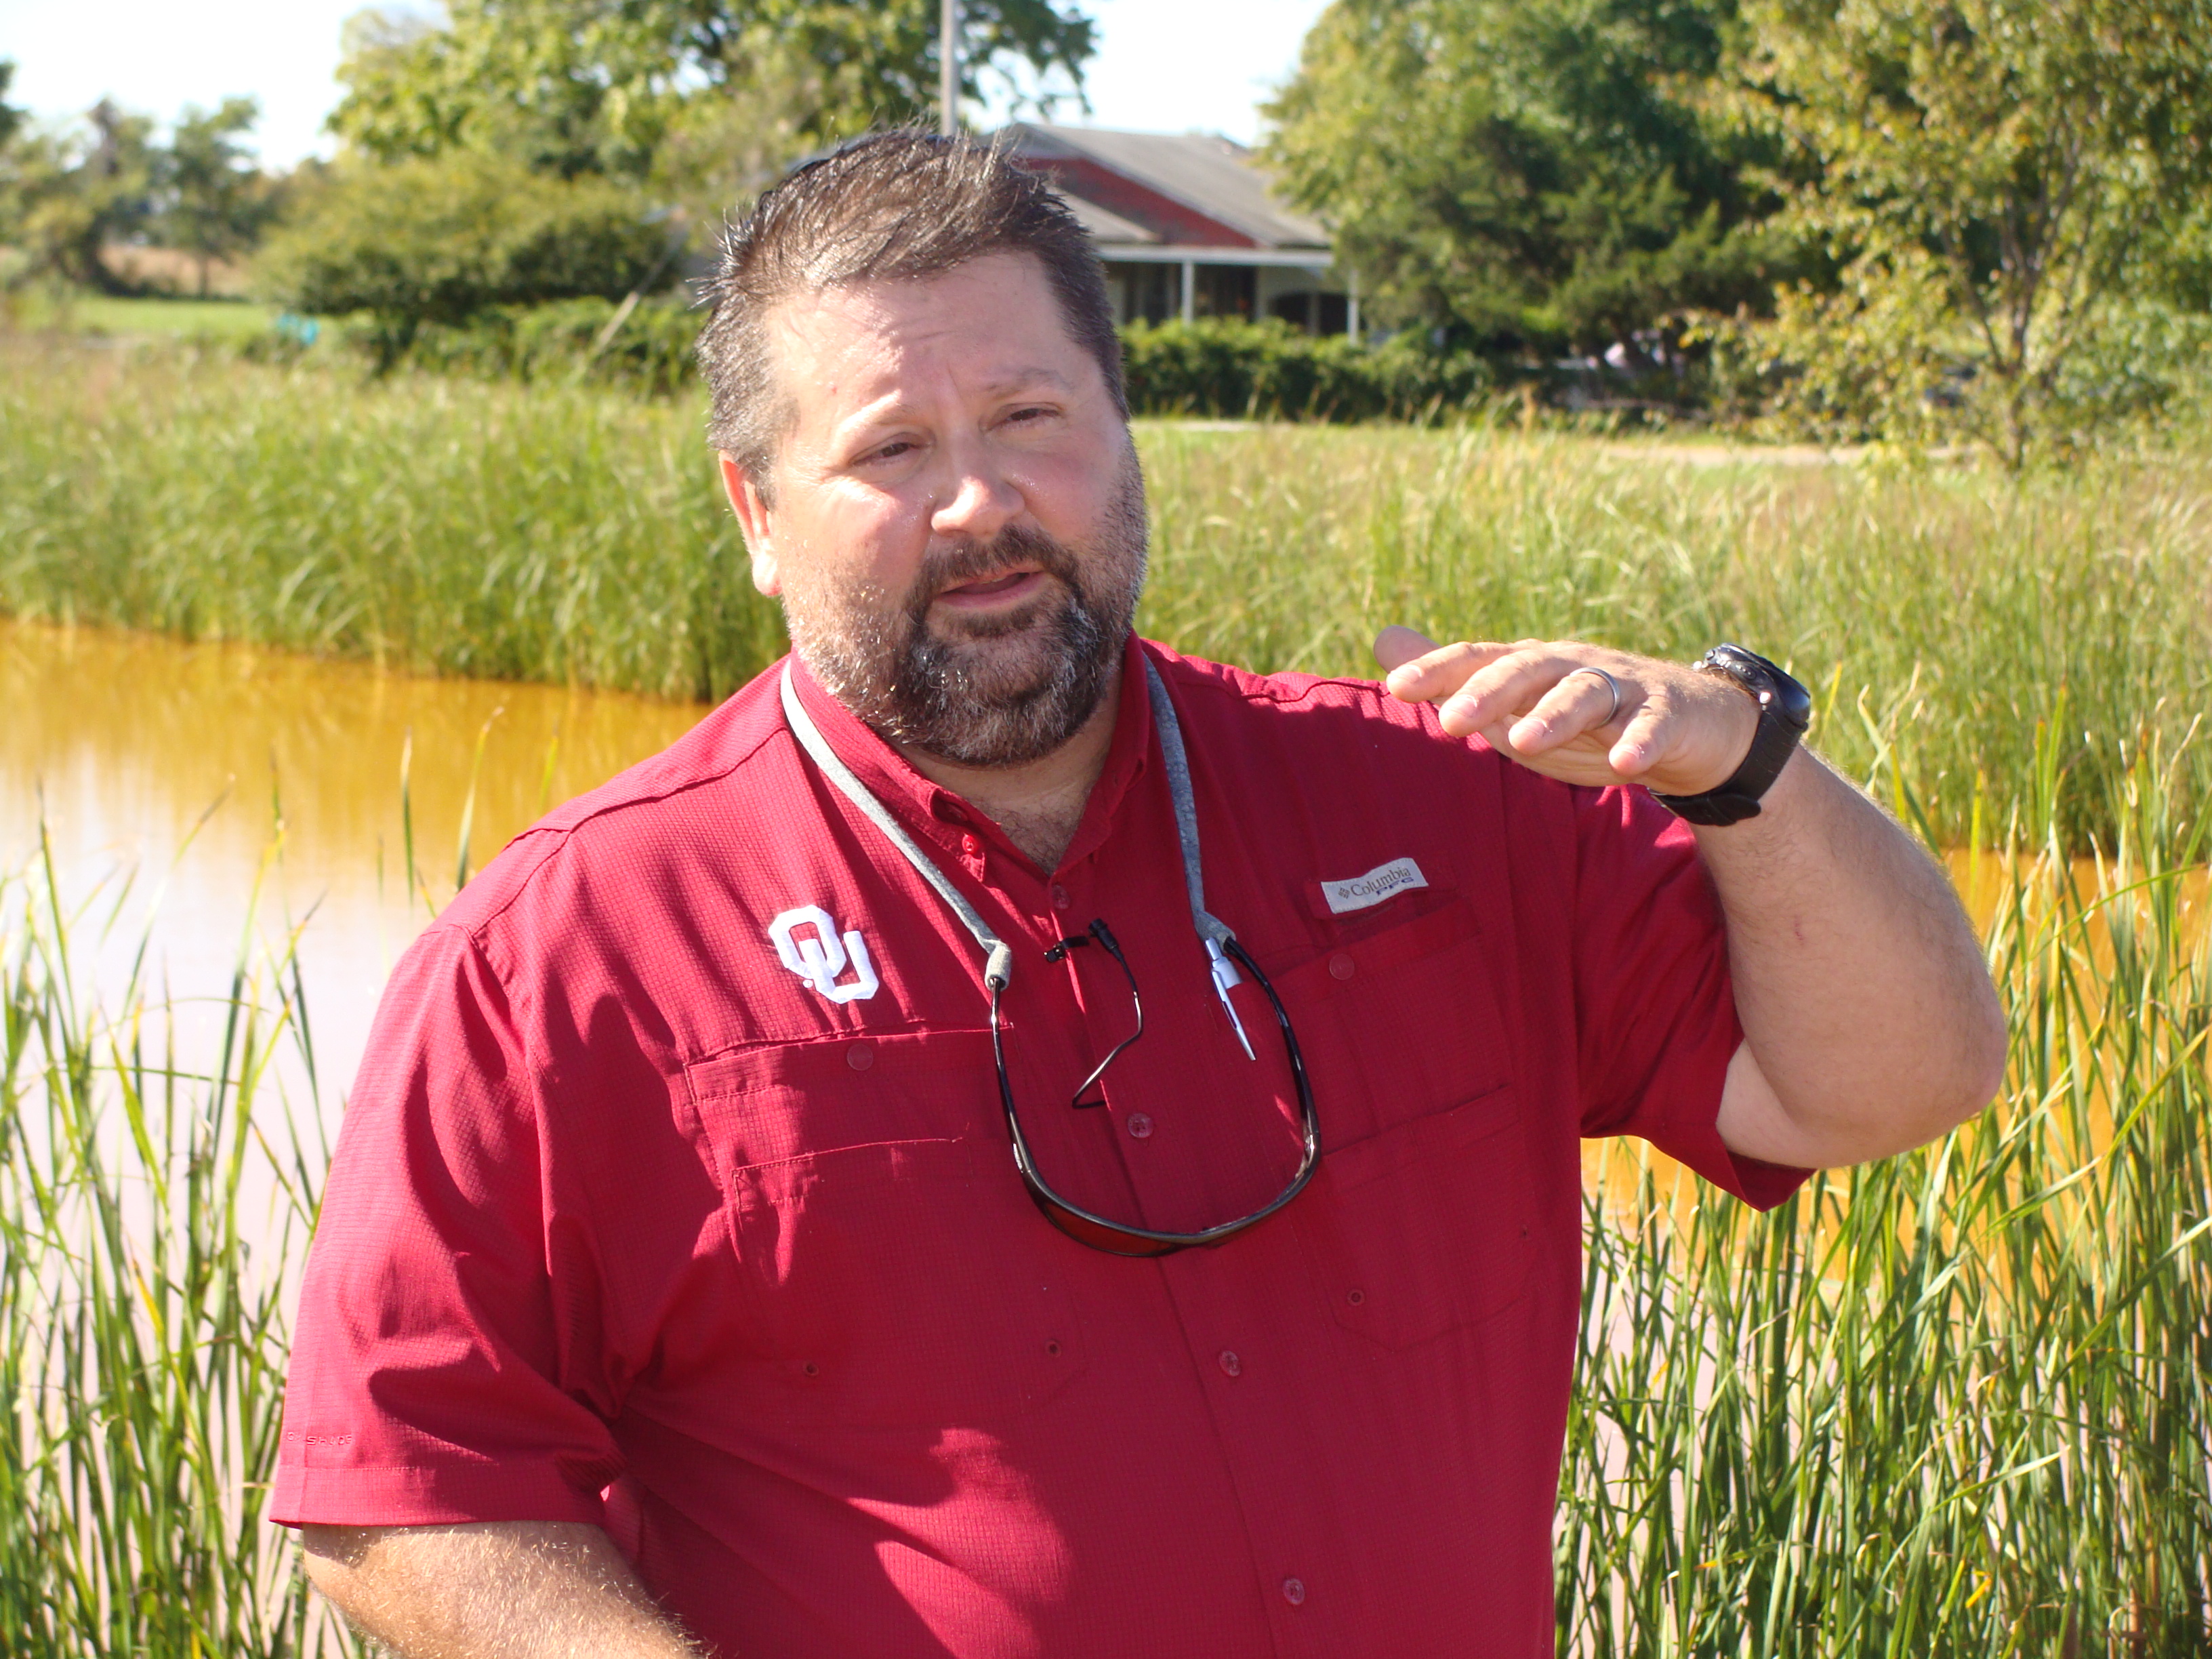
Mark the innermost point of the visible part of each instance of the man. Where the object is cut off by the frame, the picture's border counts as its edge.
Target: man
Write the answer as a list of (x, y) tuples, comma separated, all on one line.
[(677, 1279)]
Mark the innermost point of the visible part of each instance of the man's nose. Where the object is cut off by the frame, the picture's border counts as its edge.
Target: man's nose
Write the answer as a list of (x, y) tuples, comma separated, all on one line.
[(977, 500)]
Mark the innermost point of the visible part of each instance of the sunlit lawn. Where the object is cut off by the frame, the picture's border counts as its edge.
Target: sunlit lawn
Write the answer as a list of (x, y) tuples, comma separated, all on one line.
[(39, 307)]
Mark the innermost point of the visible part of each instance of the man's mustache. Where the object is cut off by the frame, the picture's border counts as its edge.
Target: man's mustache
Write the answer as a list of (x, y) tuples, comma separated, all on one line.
[(972, 562)]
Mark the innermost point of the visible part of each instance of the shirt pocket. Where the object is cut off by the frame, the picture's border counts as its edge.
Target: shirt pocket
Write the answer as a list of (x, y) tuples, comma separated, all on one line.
[(1427, 1228), (888, 1269), (1398, 1023), (1420, 1219)]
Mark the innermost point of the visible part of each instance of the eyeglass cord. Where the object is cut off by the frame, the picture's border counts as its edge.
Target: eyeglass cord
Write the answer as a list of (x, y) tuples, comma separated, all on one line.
[(997, 958)]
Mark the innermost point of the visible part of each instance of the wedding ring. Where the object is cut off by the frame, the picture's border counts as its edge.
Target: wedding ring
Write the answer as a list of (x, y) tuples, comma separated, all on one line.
[(1611, 684)]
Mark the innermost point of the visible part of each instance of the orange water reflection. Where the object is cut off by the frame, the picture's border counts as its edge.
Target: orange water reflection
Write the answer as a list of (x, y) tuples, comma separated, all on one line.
[(130, 740)]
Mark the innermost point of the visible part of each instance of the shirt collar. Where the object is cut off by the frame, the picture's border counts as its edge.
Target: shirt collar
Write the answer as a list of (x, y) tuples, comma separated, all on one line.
[(929, 810)]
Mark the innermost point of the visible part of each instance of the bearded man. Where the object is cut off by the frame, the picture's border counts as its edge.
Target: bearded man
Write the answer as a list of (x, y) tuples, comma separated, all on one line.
[(1009, 1140)]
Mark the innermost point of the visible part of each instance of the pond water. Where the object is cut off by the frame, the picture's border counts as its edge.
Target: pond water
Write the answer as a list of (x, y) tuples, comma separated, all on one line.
[(241, 794), (213, 799)]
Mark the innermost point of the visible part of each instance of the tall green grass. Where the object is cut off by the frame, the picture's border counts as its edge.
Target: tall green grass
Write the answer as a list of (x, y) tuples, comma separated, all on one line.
[(542, 532), (150, 1209), (1955, 1403), (552, 532), (1982, 622)]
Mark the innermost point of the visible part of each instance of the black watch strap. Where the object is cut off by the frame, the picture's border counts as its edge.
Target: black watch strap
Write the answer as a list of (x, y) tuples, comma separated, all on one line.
[(1786, 710)]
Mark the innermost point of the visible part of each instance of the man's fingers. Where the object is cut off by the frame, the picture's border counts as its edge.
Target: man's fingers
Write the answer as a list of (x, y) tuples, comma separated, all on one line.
[(1673, 728), (1584, 699), (1437, 671), (1505, 687), (1397, 645), (1640, 743)]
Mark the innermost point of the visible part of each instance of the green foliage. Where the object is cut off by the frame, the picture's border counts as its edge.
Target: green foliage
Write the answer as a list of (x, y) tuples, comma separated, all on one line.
[(213, 202), (576, 86), (68, 193), (439, 524), (1527, 173), (1965, 218), (149, 1208), (1985, 614), (557, 532), (2180, 268), (1995, 180), (649, 351), (1953, 1403), (1214, 367), (11, 118), (440, 241), (66, 312), (1269, 370)]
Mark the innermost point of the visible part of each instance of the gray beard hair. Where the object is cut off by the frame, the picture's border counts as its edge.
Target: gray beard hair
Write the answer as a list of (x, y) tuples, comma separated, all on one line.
[(938, 694)]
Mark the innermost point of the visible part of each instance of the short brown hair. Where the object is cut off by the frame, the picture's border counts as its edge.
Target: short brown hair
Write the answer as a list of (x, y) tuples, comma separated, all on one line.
[(896, 205)]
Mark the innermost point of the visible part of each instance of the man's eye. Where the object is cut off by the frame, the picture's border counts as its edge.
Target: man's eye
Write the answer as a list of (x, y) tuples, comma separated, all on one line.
[(1022, 416), (891, 452)]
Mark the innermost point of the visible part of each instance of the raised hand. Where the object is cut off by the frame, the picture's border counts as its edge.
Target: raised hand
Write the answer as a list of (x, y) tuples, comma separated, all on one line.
[(1579, 712)]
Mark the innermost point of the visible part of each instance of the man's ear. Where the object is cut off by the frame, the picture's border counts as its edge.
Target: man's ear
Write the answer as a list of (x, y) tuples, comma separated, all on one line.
[(751, 509)]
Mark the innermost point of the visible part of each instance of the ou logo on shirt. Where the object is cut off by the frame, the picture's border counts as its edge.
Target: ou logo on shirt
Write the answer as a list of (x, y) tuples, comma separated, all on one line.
[(820, 955)]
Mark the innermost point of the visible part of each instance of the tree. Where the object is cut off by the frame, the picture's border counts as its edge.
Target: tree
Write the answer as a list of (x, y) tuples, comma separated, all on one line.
[(73, 192), (1996, 182), (441, 239), (11, 118), (215, 202), (1531, 173), (14, 202), (595, 86)]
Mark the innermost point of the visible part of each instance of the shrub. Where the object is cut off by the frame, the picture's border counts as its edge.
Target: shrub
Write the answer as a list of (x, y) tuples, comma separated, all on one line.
[(1215, 368), (1268, 370), (442, 240), (649, 352)]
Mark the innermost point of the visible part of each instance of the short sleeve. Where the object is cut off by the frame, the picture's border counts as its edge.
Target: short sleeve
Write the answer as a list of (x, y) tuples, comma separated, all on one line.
[(428, 1381), (1656, 1018)]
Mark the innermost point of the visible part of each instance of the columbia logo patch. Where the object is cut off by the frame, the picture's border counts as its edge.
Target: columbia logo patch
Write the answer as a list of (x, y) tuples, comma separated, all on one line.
[(1384, 881), (807, 942)]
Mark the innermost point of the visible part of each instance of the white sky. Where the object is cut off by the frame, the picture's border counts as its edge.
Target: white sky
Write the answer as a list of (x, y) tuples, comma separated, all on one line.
[(1162, 65)]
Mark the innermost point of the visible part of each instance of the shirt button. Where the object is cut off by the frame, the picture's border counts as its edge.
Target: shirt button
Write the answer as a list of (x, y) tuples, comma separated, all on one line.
[(1294, 1591), (972, 846), (1140, 1126), (1059, 899), (1232, 1364), (861, 1056), (1339, 966)]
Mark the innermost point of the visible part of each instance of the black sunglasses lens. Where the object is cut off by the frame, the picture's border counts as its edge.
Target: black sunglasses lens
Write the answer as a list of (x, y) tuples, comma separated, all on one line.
[(1112, 1240)]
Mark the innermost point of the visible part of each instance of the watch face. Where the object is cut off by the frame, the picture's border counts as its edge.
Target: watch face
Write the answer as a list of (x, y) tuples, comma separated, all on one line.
[(1790, 700)]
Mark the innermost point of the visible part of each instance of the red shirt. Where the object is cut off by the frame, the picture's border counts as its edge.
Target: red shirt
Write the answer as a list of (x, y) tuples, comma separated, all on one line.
[(658, 1207)]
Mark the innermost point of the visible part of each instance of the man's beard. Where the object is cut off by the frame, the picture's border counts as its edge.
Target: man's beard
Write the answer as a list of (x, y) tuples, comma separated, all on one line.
[(949, 694)]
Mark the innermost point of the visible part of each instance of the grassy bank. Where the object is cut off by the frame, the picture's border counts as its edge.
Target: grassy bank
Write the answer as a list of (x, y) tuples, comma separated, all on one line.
[(68, 311), (1961, 625), (1953, 1406), (149, 1208)]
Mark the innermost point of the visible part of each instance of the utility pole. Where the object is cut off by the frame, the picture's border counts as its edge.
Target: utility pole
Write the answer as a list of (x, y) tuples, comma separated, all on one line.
[(948, 69)]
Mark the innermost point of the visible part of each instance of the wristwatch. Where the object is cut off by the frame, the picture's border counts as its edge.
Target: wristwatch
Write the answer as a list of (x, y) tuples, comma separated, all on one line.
[(1786, 710)]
